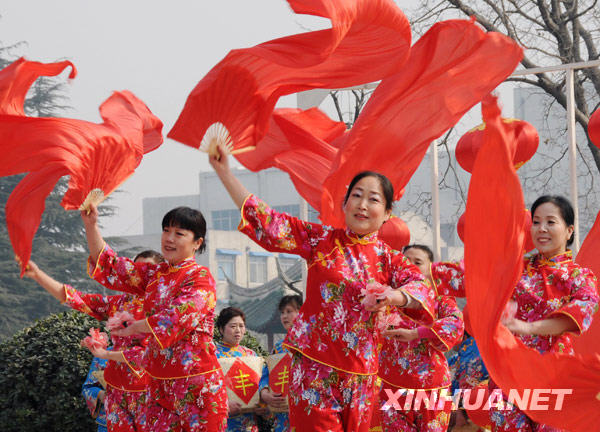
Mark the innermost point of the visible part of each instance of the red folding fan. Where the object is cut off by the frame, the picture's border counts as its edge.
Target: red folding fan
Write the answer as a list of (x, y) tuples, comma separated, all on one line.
[(98, 157)]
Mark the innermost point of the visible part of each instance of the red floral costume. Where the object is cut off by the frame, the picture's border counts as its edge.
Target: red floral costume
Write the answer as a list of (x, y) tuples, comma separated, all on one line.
[(334, 339), (549, 288), (187, 391), (421, 364), (127, 384)]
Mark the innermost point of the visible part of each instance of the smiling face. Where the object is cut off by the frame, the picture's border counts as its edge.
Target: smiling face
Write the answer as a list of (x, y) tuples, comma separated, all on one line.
[(365, 208), (234, 331), (178, 244), (549, 231), (288, 314)]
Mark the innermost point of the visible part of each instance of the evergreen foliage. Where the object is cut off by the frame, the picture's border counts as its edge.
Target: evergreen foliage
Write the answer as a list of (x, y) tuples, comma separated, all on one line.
[(43, 369)]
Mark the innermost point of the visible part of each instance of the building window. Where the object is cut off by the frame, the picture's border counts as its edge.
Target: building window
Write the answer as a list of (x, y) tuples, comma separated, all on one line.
[(292, 210), (225, 220), (226, 266), (258, 269)]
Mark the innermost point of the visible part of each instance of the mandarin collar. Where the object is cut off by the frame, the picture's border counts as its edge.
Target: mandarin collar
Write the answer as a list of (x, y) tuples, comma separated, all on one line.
[(365, 239), (180, 264), (556, 259), (225, 344)]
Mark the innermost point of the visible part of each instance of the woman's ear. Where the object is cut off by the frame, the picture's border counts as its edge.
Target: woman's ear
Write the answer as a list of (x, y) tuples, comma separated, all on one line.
[(388, 215)]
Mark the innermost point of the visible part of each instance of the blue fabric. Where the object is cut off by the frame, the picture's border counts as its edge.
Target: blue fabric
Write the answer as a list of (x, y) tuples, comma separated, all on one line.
[(90, 389)]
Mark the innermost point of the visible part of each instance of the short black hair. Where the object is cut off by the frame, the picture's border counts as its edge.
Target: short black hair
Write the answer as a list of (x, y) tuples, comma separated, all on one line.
[(227, 314), (150, 253), (189, 219), (564, 206), (386, 186), (294, 300), (422, 247)]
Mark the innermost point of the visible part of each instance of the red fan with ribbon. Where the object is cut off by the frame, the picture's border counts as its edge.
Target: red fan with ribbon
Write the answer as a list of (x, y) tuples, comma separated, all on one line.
[(98, 157), (232, 104)]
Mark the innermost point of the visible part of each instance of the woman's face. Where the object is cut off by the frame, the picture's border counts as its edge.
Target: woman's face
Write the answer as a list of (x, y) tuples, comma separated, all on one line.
[(419, 258), (177, 244), (549, 231), (234, 331), (365, 208), (288, 315)]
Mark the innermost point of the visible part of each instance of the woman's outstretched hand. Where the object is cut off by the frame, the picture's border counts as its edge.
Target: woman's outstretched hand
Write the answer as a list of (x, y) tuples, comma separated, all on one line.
[(219, 162), (90, 216)]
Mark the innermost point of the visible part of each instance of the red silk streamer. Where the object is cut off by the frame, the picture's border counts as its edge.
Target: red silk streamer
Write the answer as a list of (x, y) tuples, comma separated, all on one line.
[(96, 156), (299, 143), (304, 143), (589, 342), (450, 69), (493, 260), (368, 40)]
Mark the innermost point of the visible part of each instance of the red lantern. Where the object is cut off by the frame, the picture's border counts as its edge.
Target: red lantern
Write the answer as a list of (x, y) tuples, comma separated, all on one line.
[(594, 128), (460, 227), (395, 233), (526, 136)]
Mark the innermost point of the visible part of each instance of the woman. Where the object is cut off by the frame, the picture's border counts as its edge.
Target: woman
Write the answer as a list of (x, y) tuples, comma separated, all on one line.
[(186, 389), (231, 323), (289, 308), (124, 398), (412, 356), (555, 297), (334, 338)]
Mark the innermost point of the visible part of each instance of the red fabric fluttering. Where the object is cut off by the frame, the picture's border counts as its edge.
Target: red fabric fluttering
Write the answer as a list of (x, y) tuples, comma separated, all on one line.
[(95, 340), (367, 41), (493, 263), (299, 143), (529, 246), (525, 135), (450, 69), (594, 128), (589, 342), (96, 156), (408, 110)]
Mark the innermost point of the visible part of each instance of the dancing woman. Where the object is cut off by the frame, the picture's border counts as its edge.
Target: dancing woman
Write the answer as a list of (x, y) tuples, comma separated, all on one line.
[(555, 297), (186, 390), (334, 339)]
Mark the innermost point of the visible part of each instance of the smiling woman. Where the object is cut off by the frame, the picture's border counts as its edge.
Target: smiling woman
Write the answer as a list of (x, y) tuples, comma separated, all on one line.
[(334, 339), (179, 298), (555, 297)]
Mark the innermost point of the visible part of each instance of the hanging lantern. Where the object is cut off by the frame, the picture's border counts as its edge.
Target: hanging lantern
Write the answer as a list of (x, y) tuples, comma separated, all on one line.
[(395, 233), (594, 128), (526, 136), (460, 227)]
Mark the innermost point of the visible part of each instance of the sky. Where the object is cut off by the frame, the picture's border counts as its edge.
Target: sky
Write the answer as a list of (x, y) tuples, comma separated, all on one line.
[(158, 50)]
